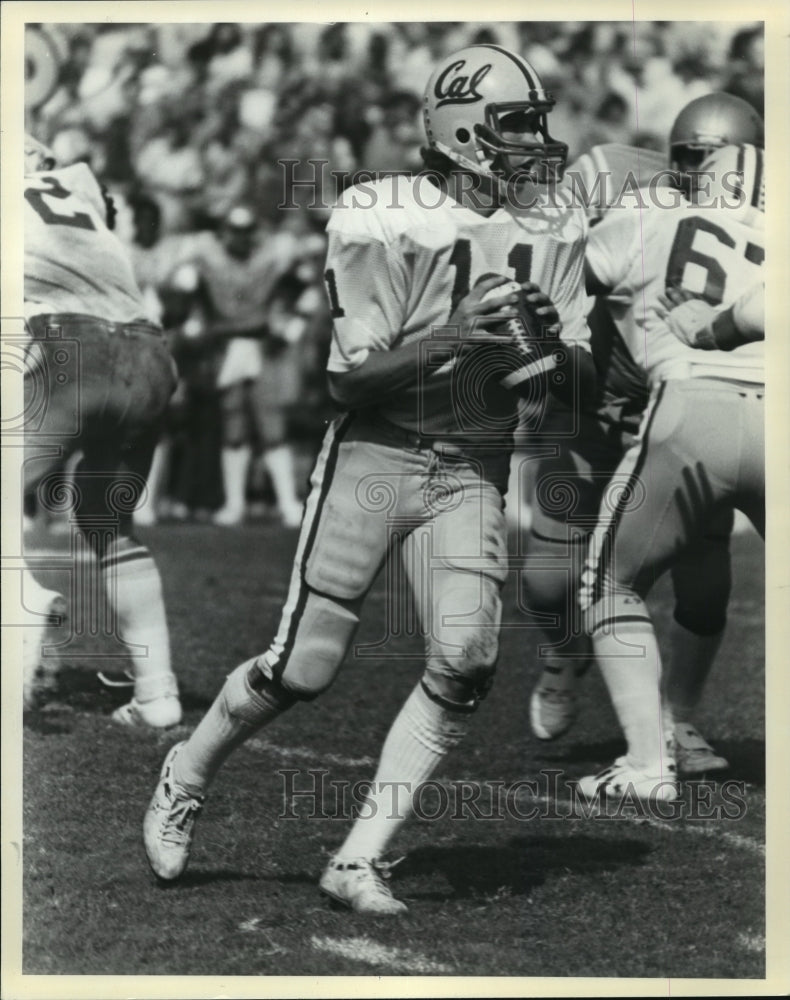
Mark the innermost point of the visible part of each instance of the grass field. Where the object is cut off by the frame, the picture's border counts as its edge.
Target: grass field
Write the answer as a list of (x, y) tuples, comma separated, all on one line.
[(626, 897)]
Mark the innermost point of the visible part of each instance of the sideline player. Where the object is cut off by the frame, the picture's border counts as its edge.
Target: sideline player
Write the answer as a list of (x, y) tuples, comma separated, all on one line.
[(106, 375), (413, 457), (240, 268), (700, 447), (570, 485)]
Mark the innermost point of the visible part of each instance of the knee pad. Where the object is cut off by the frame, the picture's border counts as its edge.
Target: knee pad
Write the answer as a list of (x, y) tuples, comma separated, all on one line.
[(311, 645), (250, 695), (461, 679), (459, 694)]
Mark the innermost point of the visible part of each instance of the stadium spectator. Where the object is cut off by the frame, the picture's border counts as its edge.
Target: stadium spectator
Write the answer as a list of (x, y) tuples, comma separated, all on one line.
[(396, 135), (747, 59), (171, 169)]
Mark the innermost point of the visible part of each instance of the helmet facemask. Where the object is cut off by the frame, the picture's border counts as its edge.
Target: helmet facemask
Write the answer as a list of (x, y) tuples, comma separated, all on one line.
[(686, 159), (541, 160)]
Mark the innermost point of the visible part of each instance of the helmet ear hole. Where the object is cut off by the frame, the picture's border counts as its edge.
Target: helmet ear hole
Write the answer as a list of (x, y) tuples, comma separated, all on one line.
[(463, 135)]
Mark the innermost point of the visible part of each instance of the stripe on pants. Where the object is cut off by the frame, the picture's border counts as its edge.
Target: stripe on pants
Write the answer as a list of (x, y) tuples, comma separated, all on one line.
[(323, 473), (602, 541)]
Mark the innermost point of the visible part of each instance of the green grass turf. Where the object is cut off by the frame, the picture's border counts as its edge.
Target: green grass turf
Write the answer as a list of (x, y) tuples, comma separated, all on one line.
[(541, 897)]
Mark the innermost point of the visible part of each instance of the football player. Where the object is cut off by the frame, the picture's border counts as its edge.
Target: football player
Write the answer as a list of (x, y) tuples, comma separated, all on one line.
[(239, 270), (105, 375), (419, 462), (591, 444), (700, 446)]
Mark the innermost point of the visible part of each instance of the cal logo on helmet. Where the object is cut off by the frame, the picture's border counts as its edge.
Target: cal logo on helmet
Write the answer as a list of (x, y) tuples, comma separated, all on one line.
[(486, 110), (453, 88)]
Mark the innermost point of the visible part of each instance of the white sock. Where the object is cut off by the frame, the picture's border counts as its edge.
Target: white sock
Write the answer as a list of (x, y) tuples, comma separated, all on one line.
[(236, 713), (134, 589), (280, 465), (421, 736), (235, 466), (634, 684)]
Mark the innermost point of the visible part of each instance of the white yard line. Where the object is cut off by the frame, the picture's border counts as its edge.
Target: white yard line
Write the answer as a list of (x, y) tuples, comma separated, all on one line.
[(363, 949), (308, 753), (736, 840), (715, 833)]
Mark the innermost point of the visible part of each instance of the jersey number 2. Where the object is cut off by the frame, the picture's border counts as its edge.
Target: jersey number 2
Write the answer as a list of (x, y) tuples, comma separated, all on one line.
[(36, 199), (519, 258)]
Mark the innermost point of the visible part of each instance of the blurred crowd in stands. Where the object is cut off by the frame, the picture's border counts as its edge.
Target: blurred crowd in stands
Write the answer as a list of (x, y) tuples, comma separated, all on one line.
[(188, 125)]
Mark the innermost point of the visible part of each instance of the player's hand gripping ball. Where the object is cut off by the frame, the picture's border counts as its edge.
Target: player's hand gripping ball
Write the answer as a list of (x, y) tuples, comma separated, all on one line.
[(532, 317), (532, 348)]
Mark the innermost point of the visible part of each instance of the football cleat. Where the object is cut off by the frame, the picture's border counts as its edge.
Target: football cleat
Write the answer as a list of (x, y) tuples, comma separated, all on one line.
[(360, 884), (622, 780), (169, 823), (37, 677), (554, 704), (693, 753)]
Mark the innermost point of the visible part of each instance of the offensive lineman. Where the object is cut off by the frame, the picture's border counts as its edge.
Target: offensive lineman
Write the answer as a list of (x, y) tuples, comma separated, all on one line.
[(586, 462), (107, 376), (403, 262), (700, 447)]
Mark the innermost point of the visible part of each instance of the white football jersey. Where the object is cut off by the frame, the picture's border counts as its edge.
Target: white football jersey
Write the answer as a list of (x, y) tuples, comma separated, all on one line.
[(608, 176), (73, 262), (704, 250), (402, 254)]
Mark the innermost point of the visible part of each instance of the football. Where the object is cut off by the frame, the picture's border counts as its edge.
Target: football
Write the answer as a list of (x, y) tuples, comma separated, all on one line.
[(526, 329)]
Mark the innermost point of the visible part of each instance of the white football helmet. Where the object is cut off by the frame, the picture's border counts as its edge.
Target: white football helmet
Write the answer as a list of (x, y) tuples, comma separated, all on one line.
[(737, 182), (477, 94), (707, 123)]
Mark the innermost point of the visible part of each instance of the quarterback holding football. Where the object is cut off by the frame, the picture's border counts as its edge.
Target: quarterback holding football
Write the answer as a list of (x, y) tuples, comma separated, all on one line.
[(424, 290)]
